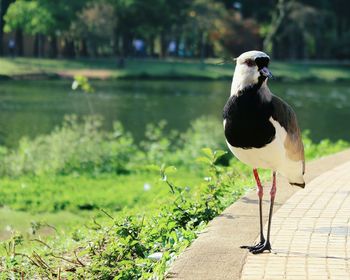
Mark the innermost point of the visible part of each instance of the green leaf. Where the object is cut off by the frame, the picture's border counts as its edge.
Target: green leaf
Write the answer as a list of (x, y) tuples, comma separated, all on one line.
[(170, 169), (83, 83), (219, 153), (152, 167), (208, 152), (203, 160)]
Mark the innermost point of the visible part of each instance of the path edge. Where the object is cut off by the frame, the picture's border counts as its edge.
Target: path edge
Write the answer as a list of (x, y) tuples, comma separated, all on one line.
[(215, 254)]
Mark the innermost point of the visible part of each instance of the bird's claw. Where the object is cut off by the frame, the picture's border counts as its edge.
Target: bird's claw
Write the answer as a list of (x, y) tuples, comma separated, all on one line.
[(256, 246), (260, 249)]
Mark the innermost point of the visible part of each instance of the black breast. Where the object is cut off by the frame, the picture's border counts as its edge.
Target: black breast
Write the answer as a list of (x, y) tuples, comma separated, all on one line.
[(247, 120)]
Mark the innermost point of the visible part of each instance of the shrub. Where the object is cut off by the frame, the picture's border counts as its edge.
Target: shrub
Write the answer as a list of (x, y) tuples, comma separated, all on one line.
[(131, 247), (73, 147)]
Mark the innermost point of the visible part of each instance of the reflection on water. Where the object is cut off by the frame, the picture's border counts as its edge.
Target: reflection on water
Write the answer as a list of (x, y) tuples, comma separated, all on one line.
[(34, 107)]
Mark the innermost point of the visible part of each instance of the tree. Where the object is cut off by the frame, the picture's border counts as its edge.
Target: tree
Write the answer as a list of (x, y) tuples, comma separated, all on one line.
[(64, 12), (94, 28), (161, 19), (239, 35), (4, 4), (205, 18), (44, 18), (148, 19), (29, 17), (297, 31)]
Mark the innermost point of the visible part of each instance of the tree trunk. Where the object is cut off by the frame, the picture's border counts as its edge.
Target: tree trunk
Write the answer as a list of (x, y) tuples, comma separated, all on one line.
[(36, 45), (162, 45), (53, 51), (151, 46), (116, 41), (68, 49), (83, 48), (19, 42), (202, 49), (41, 45), (277, 21), (121, 58)]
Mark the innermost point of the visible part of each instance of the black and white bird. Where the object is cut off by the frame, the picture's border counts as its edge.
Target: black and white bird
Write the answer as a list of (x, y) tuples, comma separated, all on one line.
[(261, 130)]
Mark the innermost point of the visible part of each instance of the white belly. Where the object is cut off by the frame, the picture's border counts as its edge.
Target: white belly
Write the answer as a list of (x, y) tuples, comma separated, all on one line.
[(272, 156), (269, 156)]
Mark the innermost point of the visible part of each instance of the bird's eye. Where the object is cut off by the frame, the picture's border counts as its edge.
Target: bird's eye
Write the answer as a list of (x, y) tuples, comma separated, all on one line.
[(250, 62)]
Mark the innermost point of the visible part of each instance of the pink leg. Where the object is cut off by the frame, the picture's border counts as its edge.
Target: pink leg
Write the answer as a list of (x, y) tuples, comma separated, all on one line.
[(272, 200), (259, 189), (260, 193), (273, 188), (267, 245)]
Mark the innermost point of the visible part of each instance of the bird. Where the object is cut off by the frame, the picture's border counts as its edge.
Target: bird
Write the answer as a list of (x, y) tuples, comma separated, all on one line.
[(262, 131)]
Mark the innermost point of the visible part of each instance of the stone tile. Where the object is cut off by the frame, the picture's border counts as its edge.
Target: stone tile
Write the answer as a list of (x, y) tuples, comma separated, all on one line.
[(311, 232)]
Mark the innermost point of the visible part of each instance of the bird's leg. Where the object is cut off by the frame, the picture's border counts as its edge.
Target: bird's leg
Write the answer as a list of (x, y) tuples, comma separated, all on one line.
[(267, 245), (260, 192)]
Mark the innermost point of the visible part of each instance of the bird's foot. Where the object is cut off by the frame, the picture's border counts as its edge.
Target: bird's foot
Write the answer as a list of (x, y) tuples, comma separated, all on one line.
[(263, 247), (254, 247)]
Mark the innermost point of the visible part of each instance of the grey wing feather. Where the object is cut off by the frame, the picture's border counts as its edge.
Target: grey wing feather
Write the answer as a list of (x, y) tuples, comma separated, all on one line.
[(287, 118)]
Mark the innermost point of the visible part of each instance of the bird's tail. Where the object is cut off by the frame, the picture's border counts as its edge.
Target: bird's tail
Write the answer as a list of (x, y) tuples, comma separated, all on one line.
[(296, 180), (301, 185)]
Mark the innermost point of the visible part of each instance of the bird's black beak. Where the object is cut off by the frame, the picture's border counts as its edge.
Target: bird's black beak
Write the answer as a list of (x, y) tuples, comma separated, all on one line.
[(266, 72)]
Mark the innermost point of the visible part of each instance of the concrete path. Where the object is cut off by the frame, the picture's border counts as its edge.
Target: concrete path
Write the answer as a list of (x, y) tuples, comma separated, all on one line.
[(318, 214), (309, 233)]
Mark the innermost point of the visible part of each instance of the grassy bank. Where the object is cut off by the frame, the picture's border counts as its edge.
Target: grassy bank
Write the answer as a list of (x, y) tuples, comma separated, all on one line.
[(30, 68), (84, 203)]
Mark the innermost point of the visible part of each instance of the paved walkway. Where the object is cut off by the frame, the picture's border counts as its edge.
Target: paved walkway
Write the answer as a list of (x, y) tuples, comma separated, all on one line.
[(309, 233)]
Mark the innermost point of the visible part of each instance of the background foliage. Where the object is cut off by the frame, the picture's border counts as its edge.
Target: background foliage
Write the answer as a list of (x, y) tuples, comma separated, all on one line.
[(287, 29)]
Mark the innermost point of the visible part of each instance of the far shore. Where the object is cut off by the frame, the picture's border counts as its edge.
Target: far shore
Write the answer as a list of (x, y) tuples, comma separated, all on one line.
[(154, 69)]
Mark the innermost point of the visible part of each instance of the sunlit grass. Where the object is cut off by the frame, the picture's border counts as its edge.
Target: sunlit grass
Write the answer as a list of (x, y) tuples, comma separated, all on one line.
[(65, 201), (54, 193), (14, 220)]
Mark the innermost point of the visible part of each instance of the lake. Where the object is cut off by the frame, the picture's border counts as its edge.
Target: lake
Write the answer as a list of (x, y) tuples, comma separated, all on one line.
[(30, 108)]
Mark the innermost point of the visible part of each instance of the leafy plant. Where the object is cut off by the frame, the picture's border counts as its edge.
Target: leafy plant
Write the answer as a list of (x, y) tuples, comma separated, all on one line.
[(79, 157), (136, 247), (323, 148), (82, 82), (73, 147)]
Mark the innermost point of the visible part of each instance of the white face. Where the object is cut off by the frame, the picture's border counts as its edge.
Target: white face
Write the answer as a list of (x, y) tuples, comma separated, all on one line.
[(247, 71)]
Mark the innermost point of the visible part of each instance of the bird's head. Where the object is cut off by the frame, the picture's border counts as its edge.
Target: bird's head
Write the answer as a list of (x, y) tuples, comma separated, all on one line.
[(251, 69)]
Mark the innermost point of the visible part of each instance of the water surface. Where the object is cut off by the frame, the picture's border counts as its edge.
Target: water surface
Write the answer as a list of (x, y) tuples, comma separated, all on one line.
[(30, 108)]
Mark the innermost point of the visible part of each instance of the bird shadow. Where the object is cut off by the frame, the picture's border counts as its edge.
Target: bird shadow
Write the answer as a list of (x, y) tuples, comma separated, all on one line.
[(227, 216), (256, 201), (286, 253), (336, 230)]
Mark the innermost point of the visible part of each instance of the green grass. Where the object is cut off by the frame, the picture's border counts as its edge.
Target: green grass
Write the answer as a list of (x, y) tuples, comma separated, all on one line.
[(119, 245), (82, 189), (151, 221), (20, 221), (172, 69), (67, 201), (82, 194), (78, 169)]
